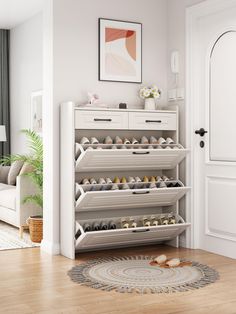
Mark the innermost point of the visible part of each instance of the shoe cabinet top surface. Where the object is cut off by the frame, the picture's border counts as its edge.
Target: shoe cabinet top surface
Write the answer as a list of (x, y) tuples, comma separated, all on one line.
[(123, 110)]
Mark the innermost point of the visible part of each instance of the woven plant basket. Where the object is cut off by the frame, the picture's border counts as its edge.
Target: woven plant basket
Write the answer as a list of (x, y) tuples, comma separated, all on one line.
[(35, 224)]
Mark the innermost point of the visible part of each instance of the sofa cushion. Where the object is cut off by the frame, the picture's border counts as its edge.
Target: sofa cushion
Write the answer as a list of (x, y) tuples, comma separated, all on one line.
[(4, 186), (14, 171), (26, 168), (4, 171), (8, 198)]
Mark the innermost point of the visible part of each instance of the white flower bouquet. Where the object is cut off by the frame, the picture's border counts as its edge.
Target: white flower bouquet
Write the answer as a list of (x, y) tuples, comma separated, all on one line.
[(150, 92)]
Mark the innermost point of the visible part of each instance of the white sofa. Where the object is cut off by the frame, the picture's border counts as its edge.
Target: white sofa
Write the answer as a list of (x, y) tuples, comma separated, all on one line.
[(12, 210)]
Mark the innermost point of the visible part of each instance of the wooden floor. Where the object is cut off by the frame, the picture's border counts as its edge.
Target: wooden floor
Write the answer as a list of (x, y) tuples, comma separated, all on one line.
[(34, 282)]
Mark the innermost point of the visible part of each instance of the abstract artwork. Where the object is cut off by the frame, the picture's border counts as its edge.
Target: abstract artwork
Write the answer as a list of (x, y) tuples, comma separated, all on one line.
[(120, 51)]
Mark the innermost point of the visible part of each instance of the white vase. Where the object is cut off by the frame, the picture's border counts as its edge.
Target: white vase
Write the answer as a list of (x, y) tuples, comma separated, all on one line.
[(150, 104)]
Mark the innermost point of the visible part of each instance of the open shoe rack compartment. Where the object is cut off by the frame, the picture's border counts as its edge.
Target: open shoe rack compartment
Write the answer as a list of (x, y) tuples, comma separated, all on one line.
[(139, 195), (126, 236), (135, 156), (87, 202)]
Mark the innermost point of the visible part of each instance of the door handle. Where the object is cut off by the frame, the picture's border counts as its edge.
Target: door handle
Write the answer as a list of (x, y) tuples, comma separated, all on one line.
[(153, 121), (107, 120), (141, 153), (140, 193), (137, 231), (201, 131)]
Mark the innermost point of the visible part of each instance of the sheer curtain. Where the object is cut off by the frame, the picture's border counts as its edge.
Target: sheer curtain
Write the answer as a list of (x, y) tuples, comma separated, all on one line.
[(4, 89)]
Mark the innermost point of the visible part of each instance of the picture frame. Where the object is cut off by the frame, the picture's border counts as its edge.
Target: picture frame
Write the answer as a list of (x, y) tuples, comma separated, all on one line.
[(120, 51), (36, 112)]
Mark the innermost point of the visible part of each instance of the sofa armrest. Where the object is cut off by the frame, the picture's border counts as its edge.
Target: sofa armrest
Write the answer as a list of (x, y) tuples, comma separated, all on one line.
[(25, 187)]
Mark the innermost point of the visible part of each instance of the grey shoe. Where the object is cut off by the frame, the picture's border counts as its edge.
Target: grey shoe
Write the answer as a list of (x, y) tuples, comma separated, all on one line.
[(153, 140), (108, 140), (93, 140), (118, 140), (144, 140)]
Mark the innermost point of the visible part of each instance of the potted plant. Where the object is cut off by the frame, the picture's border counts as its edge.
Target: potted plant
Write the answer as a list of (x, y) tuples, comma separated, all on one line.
[(35, 161), (150, 94)]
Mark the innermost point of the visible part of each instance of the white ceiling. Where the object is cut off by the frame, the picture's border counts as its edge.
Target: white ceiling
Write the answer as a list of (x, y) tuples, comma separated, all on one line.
[(14, 12)]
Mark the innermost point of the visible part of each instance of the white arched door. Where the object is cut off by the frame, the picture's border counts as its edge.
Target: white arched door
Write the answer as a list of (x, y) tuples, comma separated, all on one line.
[(213, 103)]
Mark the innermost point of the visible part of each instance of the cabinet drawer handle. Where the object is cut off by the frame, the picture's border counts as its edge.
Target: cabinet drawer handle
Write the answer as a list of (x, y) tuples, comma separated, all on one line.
[(106, 120), (137, 231), (153, 121), (140, 193), (141, 153)]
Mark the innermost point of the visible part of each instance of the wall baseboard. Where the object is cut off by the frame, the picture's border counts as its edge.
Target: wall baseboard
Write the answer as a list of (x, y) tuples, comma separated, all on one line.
[(50, 247)]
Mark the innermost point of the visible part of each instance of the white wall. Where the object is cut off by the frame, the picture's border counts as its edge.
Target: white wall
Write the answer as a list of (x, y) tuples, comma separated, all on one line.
[(176, 41), (26, 61), (71, 50)]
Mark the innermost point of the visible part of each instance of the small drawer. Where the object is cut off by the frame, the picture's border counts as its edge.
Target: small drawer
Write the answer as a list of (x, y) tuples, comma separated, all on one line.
[(101, 120), (152, 121)]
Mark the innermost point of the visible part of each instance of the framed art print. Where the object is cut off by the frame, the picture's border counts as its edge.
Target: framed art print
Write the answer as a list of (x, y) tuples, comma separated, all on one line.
[(120, 51)]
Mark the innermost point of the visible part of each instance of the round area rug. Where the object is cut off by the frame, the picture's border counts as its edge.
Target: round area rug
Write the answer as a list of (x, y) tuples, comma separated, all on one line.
[(135, 274)]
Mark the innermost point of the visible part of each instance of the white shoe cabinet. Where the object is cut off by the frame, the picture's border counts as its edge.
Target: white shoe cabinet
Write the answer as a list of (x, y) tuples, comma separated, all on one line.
[(81, 204)]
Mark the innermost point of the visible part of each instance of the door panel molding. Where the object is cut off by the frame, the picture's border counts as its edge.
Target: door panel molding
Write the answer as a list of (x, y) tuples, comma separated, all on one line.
[(225, 186)]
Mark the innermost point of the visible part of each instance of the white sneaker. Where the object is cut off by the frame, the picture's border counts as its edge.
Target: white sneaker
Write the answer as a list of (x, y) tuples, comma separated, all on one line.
[(93, 140), (84, 140), (137, 179), (169, 140), (93, 181), (126, 141), (108, 140), (85, 181), (101, 181), (161, 141), (131, 180), (108, 181), (134, 141), (159, 178), (165, 178)]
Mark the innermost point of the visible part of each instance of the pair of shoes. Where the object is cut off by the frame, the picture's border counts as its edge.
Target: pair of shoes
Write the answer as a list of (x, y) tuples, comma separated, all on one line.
[(96, 226), (86, 181), (93, 140), (128, 223)]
